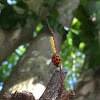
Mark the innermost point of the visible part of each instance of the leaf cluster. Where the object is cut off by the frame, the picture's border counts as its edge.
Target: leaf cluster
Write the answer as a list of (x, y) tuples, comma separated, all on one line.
[(88, 14), (9, 18)]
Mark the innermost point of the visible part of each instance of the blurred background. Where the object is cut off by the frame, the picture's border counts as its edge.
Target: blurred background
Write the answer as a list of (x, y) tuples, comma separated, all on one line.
[(25, 51)]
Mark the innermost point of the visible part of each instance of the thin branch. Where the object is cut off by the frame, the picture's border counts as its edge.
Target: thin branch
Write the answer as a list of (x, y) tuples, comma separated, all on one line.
[(49, 27), (61, 80)]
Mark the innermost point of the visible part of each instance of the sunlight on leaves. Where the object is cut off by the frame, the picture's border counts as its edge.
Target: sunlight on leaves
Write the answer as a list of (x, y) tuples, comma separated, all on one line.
[(38, 28), (72, 57)]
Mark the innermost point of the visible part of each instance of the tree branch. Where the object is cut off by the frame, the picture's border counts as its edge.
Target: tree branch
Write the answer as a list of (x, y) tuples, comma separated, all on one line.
[(52, 92)]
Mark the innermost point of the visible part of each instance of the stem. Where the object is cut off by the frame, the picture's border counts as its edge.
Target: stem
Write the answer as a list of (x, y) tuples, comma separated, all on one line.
[(52, 33), (49, 27), (61, 77)]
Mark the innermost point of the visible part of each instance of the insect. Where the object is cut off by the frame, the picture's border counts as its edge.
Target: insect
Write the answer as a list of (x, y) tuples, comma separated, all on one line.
[(56, 60)]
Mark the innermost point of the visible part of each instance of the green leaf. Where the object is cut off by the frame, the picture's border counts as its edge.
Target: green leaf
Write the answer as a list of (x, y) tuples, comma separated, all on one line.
[(98, 5), (50, 3), (83, 2), (81, 14), (98, 19), (8, 17), (4, 2), (91, 9), (76, 40), (1, 7), (22, 4), (92, 48), (52, 22), (76, 25), (22, 19), (54, 13), (61, 30), (94, 61), (34, 15), (58, 0)]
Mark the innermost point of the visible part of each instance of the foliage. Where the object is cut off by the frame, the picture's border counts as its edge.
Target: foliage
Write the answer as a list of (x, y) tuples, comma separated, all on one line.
[(89, 29), (38, 28), (72, 56), (83, 38), (9, 18), (50, 3)]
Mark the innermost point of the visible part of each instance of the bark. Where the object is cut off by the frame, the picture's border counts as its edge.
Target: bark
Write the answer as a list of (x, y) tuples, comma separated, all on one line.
[(52, 92), (88, 86), (10, 40)]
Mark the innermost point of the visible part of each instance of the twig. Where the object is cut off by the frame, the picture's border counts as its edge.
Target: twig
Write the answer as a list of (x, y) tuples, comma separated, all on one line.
[(52, 33), (49, 27), (62, 81)]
